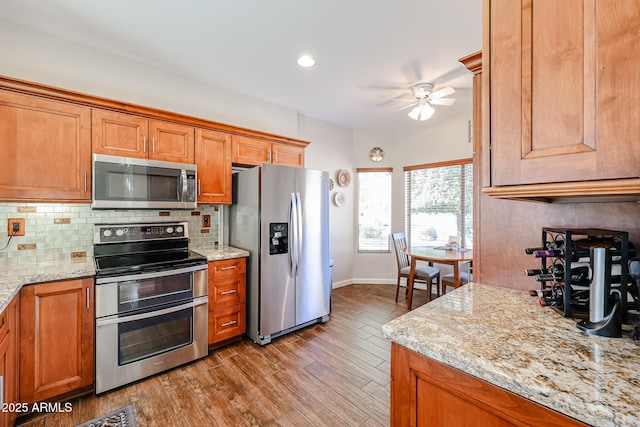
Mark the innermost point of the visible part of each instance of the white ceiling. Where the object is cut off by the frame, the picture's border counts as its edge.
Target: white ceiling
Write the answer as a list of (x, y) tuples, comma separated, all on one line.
[(367, 51)]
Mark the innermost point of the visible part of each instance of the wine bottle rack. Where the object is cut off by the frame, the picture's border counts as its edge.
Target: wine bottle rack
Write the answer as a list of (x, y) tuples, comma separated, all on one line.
[(564, 247)]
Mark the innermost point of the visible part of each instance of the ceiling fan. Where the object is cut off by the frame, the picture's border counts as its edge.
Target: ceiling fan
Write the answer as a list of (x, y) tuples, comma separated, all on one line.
[(423, 99)]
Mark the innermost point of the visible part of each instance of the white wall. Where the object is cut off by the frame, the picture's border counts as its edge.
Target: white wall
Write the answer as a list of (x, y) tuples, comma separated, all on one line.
[(38, 57), (331, 151)]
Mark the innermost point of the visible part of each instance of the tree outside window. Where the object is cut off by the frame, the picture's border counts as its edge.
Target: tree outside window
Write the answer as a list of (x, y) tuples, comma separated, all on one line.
[(439, 203), (374, 209)]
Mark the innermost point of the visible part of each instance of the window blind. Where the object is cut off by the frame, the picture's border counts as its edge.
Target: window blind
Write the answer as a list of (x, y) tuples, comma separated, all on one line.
[(439, 203)]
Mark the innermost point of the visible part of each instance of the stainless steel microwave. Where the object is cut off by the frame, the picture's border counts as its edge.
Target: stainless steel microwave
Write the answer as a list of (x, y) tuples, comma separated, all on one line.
[(130, 183)]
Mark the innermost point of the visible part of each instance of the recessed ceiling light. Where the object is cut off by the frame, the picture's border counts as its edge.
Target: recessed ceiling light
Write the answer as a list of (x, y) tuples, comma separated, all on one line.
[(306, 61)]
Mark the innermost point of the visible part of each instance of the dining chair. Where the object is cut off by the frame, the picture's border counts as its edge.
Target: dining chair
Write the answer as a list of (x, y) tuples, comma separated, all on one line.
[(424, 273), (465, 277)]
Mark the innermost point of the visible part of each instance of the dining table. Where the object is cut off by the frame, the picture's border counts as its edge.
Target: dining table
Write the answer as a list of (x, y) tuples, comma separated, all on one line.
[(439, 255)]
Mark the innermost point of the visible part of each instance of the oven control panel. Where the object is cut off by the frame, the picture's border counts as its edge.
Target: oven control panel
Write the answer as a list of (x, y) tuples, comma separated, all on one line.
[(111, 233)]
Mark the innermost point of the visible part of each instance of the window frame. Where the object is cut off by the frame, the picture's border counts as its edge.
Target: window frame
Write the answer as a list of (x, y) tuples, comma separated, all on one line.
[(360, 171)]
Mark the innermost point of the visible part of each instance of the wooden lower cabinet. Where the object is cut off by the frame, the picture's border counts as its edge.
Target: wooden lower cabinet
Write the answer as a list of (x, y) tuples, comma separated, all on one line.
[(9, 327), (57, 337), (227, 300), (428, 393)]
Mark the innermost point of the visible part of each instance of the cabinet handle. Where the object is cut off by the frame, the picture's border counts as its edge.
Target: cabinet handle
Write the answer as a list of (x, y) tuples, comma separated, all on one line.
[(153, 145), (233, 291), (144, 144), (233, 267), (88, 298), (85, 181), (199, 187), (233, 322)]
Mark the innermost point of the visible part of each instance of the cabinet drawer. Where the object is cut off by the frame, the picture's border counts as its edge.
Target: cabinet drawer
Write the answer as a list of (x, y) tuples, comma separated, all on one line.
[(227, 267), (227, 291), (227, 323)]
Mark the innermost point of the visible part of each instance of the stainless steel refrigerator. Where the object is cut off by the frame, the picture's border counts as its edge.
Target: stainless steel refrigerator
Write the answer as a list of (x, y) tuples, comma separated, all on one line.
[(280, 215)]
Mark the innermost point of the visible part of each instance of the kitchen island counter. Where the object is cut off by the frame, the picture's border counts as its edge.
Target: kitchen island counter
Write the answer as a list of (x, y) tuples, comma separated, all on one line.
[(505, 338)]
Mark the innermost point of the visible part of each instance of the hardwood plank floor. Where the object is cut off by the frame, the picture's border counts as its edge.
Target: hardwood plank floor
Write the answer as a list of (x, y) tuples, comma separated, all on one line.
[(334, 374)]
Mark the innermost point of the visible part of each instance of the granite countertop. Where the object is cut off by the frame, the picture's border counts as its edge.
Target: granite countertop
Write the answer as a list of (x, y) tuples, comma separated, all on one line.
[(504, 337), (224, 252), (13, 278)]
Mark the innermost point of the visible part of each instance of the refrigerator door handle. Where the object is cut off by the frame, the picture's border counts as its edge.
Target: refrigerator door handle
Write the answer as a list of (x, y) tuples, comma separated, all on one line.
[(293, 218), (299, 233)]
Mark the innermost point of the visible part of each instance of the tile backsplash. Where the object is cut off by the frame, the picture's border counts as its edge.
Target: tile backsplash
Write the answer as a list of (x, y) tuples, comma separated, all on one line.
[(55, 231)]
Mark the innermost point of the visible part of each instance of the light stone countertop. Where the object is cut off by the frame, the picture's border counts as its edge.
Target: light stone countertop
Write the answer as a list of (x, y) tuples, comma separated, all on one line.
[(504, 337), (225, 252), (13, 278)]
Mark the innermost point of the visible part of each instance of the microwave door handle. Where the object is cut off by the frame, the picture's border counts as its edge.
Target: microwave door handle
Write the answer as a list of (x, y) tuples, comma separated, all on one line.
[(182, 186)]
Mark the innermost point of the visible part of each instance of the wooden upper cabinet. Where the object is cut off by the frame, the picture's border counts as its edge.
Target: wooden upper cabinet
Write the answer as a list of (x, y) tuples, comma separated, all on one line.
[(564, 90), (119, 134), (254, 152), (288, 155), (171, 142), (213, 158), (250, 151), (47, 148), (128, 135)]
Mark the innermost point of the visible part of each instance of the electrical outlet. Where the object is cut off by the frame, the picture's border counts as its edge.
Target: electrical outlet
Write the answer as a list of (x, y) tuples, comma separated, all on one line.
[(14, 223), (206, 220)]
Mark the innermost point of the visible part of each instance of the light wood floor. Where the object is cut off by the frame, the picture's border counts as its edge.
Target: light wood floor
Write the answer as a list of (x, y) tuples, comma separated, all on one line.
[(334, 374)]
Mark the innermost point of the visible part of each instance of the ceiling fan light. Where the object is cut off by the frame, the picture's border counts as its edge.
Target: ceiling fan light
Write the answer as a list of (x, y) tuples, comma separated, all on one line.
[(415, 113), (426, 112), (306, 61)]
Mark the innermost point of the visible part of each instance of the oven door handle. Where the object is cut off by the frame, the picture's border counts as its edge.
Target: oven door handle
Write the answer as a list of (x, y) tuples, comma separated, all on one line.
[(121, 319), (143, 276)]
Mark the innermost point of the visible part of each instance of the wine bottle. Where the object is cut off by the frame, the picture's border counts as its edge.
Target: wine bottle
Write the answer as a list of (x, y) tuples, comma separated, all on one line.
[(549, 253), (578, 276)]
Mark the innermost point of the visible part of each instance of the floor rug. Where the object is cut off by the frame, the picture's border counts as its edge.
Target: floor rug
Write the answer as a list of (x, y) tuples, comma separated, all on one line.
[(123, 417)]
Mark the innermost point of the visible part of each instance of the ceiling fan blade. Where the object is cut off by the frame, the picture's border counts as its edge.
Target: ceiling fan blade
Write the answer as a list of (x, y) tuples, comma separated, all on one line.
[(442, 101), (403, 99), (406, 106), (441, 93)]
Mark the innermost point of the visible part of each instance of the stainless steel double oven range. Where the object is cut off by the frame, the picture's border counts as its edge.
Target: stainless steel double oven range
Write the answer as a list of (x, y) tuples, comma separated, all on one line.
[(151, 301)]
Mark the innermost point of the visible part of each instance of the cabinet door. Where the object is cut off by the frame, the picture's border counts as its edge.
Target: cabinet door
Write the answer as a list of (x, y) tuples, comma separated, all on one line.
[(425, 392), (9, 359), (565, 90), (250, 151), (47, 147), (213, 158), (287, 155), (57, 339), (119, 134), (171, 142)]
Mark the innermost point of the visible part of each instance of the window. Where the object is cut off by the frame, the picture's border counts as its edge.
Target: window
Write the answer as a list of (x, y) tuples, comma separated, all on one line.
[(374, 209), (439, 203)]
